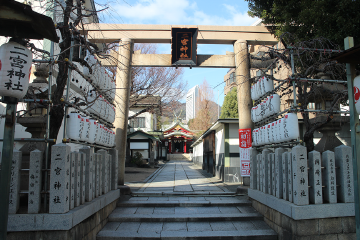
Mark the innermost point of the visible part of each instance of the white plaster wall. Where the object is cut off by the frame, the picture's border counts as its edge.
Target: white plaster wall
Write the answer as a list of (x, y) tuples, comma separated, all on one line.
[(234, 137), (148, 119), (198, 154), (220, 140)]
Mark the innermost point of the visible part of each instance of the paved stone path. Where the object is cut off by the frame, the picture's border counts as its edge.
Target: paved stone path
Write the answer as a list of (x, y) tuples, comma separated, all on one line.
[(181, 176), (179, 202)]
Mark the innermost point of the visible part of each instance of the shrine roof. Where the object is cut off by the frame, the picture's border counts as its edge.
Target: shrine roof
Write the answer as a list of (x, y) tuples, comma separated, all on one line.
[(144, 134), (174, 124), (178, 133)]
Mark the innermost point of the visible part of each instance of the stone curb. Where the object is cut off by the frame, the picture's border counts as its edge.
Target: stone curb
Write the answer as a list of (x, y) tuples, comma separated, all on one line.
[(244, 234), (164, 194), (61, 221), (182, 203), (312, 211), (119, 217)]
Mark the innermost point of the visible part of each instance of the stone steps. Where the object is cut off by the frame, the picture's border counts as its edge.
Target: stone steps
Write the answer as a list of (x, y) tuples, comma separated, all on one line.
[(175, 217), (237, 234), (183, 203)]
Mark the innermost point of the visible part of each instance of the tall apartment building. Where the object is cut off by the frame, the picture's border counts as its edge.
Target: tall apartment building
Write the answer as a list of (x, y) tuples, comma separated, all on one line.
[(191, 102)]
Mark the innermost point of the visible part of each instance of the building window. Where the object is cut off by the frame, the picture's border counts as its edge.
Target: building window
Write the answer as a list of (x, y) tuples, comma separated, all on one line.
[(311, 105), (318, 106), (232, 77), (138, 122)]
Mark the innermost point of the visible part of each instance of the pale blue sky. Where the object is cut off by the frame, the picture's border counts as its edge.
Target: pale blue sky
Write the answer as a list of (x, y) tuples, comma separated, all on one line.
[(184, 12)]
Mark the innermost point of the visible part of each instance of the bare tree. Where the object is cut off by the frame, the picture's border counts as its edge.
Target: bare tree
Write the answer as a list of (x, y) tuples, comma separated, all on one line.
[(312, 67), (70, 18), (147, 82)]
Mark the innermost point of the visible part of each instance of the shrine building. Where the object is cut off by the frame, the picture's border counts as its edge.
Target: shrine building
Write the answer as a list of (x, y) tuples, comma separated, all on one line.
[(178, 138)]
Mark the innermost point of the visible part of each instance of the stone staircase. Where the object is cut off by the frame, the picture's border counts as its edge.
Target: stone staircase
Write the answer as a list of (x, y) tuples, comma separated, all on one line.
[(179, 156), (194, 216)]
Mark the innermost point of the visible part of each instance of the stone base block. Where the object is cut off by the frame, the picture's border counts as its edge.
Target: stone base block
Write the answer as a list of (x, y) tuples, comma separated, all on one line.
[(242, 190), (86, 229), (124, 190), (321, 227)]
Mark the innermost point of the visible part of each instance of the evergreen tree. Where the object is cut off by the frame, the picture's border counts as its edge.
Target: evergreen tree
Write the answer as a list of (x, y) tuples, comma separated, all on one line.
[(230, 105), (308, 19)]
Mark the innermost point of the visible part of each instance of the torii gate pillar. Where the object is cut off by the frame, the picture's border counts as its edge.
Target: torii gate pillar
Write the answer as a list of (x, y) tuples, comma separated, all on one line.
[(122, 96), (242, 72)]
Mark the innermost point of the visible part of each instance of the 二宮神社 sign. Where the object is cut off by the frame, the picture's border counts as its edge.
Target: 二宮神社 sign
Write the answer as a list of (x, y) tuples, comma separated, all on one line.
[(183, 46), (15, 68), (245, 144)]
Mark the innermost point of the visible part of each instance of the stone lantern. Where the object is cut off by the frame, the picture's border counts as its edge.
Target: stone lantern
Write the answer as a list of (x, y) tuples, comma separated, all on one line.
[(35, 118)]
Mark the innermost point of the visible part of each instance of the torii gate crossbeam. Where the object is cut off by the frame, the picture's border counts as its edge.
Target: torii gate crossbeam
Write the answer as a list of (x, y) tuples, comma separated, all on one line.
[(127, 35)]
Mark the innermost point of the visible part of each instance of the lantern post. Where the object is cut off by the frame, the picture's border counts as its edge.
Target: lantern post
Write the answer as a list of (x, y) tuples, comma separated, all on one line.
[(6, 162), (15, 71)]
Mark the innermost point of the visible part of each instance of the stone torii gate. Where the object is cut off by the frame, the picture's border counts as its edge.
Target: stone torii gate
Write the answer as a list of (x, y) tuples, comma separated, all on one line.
[(127, 34)]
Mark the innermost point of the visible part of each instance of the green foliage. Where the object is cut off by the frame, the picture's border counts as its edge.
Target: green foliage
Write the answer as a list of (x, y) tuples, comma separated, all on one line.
[(230, 105), (137, 159), (308, 19)]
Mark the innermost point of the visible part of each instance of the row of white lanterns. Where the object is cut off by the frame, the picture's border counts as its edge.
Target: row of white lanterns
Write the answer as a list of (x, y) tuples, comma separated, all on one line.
[(267, 108), (99, 76), (15, 69), (281, 130), (101, 107), (80, 128), (261, 87)]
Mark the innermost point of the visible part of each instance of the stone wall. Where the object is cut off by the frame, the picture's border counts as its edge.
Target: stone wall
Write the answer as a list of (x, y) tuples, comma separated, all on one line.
[(304, 196), (82, 193), (334, 228), (86, 230)]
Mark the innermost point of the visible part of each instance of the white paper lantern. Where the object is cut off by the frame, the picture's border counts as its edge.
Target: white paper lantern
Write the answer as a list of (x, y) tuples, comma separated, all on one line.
[(99, 135), (112, 116), (92, 130), (257, 90), (281, 137), (268, 85), (262, 87), (252, 93), (273, 132), (252, 114), (277, 130), (73, 126), (259, 140), (291, 126), (262, 135), (265, 104), (357, 93), (86, 72), (113, 139), (268, 134), (90, 59), (113, 89), (253, 136), (86, 129), (261, 111), (274, 104), (15, 69)]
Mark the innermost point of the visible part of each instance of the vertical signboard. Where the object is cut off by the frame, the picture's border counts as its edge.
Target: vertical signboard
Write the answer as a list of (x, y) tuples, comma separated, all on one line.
[(183, 46), (245, 144)]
